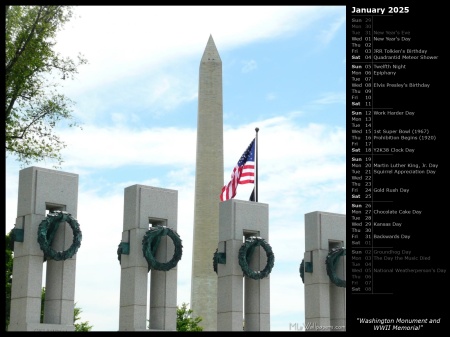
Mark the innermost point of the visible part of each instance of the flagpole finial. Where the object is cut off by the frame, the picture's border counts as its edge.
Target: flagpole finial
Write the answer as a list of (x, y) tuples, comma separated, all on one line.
[(256, 129)]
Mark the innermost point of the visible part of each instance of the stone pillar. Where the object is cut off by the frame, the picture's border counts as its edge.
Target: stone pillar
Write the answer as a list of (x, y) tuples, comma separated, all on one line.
[(42, 190), (325, 302), (239, 219), (144, 207)]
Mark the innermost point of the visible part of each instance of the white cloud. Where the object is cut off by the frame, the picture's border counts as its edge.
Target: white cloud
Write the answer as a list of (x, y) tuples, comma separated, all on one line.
[(249, 66), (153, 146), (125, 41), (271, 96), (328, 34), (331, 98)]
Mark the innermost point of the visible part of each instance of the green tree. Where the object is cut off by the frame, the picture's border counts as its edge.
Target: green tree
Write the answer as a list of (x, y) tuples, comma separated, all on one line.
[(33, 107), (185, 321), (8, 274), (82, 326)]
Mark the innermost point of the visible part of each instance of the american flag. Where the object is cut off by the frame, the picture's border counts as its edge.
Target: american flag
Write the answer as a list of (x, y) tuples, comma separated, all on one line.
[(243, 173)]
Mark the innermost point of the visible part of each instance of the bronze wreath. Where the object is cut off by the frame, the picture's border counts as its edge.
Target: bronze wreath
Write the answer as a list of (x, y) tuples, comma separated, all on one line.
[(218, 258), (124, 248), (215, 260), (150, 244), (119, 253), (331, 261), (302, 270), (245, 252), (47, 230)]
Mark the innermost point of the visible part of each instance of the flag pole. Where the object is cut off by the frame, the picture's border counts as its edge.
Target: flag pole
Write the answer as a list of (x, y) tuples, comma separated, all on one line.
[(256, 165)]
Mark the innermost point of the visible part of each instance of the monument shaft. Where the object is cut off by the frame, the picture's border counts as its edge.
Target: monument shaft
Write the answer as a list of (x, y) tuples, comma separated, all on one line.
[(208, 184)]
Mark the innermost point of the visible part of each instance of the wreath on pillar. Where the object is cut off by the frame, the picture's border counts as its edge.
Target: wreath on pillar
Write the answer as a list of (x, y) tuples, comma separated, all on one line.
[(331, 262), (47, 230), (245, 253), (150, 244), (218, 258), (215, 260), (302, 270)]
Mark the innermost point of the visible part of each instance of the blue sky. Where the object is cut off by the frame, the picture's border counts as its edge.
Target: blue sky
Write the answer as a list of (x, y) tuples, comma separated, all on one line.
[(283, 71)]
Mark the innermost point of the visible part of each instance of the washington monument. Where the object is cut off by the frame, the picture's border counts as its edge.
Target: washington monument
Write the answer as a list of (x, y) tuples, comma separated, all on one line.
[(208, 185)]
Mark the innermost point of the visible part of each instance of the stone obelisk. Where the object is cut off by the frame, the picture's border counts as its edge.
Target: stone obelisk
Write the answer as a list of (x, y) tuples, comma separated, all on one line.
[(208, 185)]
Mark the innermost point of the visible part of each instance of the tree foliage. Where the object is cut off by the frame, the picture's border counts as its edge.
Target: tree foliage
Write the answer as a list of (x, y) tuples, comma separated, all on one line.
[(185, 321), (33, 107), (8, 281), (81, 326)]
